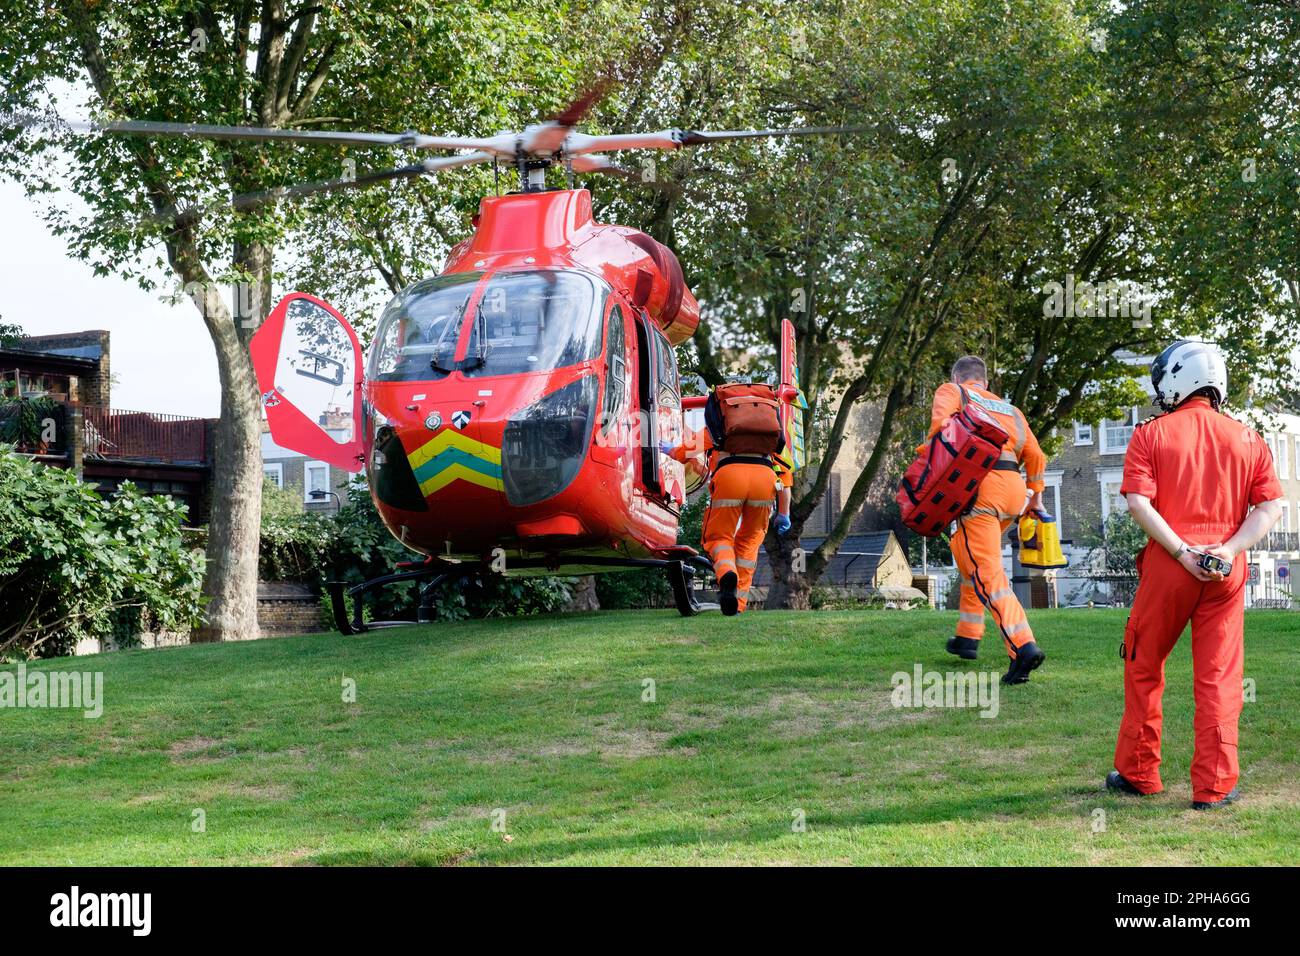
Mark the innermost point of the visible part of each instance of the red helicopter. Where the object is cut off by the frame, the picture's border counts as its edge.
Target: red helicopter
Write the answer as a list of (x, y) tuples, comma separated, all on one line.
[(512, 412)]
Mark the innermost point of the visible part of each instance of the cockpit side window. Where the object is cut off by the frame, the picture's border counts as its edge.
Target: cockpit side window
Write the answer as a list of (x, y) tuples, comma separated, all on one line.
[(615, 370), (419, 329)]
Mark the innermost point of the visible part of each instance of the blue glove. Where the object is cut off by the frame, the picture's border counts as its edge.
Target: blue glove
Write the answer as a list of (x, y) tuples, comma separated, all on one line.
[(666, 447), (782, 523)]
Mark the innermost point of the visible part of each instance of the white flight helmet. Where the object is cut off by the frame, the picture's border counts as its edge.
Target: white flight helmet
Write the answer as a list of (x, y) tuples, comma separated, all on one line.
[(1185, 368)]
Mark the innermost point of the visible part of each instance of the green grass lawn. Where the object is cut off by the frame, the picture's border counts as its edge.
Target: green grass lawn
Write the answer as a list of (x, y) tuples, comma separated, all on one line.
[(754, 719)]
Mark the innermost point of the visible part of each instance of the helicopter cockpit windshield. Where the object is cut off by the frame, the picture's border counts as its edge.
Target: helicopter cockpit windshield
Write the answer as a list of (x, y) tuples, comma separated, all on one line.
[(526, 321), (535, 321)]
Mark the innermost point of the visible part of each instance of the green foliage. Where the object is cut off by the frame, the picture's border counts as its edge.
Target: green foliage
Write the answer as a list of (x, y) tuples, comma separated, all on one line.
[(1119, 544), (10, 334), (630, 590), (22, 421), (279, 503), (353, 546), (75, 565)]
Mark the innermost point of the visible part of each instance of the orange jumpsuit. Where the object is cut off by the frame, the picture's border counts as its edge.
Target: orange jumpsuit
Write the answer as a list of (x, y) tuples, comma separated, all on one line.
[(1002, 496), (1202, 471), (741, 497)]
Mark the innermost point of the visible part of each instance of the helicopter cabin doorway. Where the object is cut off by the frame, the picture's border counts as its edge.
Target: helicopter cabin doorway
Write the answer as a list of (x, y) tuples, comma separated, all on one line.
[(659, 407)]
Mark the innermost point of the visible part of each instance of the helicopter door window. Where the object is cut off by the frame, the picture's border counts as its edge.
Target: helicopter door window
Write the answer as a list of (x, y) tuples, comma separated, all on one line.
[(535, 321), (417, 335), (616, 371), (316, 364), (647, 373)]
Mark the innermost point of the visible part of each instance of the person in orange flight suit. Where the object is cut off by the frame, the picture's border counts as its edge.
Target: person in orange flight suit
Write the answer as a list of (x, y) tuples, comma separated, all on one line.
[(742, 489), (1003, 496), (1191, 475)]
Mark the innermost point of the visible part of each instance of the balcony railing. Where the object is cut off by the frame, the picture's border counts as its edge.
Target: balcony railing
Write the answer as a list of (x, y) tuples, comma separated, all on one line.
[(143, 436), (1283, 541)]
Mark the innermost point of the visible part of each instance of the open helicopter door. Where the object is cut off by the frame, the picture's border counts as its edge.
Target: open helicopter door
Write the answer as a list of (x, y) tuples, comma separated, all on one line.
[(661, 409), (793, 401), (309, 370)]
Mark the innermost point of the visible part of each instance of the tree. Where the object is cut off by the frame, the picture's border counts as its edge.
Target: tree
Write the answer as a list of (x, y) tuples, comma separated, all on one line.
[(165, 202), (976, 184)]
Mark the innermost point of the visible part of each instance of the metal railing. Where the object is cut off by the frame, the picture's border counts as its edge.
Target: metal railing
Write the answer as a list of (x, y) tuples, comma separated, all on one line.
[(143, 436), (1283, 541)]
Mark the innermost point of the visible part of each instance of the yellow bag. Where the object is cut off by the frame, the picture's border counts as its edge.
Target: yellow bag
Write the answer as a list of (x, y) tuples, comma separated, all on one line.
[(1040, 541)]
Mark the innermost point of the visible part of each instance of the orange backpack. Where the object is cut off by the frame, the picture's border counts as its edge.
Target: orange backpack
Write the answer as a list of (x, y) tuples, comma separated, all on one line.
[(744, 419)]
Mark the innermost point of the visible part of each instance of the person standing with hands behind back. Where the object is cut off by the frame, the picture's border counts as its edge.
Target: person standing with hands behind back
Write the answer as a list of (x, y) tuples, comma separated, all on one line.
[(1191, 478)]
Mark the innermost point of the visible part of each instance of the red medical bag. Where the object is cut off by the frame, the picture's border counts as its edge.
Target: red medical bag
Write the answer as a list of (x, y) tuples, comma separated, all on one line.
[(943, 481)]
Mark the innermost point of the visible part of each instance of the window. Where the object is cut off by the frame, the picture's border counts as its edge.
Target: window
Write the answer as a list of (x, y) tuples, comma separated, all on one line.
[(315, 477), (1082, 433), (615, 371), (1115, 435), (535, 321), (1052, 493), (1285, 523), (1111, 499), (274, 473), (420, 328), (1283, 456)]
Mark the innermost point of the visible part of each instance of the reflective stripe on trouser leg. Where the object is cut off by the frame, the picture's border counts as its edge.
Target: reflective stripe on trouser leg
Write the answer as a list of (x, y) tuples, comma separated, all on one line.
[(739, 511), (720, 535), (749, 538), (970, 617), (977, 548)]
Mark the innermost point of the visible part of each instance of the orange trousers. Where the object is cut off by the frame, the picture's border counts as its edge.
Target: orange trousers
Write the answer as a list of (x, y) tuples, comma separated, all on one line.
[(740, 507), (1168, 598), (977, 549)]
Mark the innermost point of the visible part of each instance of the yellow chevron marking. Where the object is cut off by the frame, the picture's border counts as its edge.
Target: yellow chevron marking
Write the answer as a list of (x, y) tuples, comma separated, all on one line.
[(451, 438), (449, 474)]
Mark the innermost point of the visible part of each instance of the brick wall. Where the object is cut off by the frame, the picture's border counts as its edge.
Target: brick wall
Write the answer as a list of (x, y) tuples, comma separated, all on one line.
[(94, 389), (289, 617), (287, 608)]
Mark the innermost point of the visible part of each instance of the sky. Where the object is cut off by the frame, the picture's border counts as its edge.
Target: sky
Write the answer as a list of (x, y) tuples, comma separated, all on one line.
[(161, 357)]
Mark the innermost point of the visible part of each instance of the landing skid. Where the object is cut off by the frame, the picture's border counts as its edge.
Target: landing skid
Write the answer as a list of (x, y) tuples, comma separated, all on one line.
[(681, 572)]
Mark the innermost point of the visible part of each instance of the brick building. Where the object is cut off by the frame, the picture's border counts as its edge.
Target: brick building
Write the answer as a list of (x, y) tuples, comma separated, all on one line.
[(56, 405), (290, 469)]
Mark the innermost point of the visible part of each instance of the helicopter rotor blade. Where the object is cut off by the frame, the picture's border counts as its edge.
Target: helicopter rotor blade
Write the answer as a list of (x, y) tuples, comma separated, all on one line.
[(677, 138), (549, 137), (410, 138), (255, 199), (599, 164)]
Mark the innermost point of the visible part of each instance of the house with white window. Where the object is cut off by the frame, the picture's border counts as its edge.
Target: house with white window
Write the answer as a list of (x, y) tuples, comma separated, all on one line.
[(1084, 479), (1275, 565), (321, 486)]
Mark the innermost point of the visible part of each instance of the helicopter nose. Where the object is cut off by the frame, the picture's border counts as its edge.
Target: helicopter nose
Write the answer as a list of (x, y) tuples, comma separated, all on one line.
[(449, 458)]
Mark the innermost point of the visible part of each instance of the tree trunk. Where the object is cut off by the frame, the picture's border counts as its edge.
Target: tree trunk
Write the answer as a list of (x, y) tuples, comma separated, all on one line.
[(584, 596), (230, 584), (790, 589)]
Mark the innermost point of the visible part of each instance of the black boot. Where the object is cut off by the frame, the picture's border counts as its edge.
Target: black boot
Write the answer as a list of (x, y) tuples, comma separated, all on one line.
[(967, 648), (1115, 781), (1232, 797), (1027, 658), (727, 594)]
